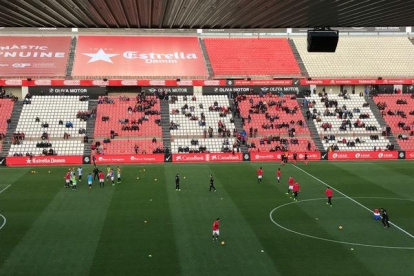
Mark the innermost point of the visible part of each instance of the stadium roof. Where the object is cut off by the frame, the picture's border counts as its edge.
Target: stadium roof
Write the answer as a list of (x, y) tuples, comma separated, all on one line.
[(206, 14)]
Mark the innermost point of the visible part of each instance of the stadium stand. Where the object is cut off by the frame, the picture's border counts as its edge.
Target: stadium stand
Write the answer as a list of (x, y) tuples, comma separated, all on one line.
[(6, 108), (116, 146), (128, 117), (51, 125), (277, 143), (272, 115), (274, 123), (203, 145), (346, 123), (195, 117), (251, 57), (360, 57), (398, 112)]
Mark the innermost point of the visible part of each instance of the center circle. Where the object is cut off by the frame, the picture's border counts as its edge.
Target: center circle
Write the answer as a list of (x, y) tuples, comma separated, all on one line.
[(331, 240)]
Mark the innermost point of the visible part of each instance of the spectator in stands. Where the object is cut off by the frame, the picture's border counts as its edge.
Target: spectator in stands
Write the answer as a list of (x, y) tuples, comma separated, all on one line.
[(45, 136), (309, 146), (210, 132), (69, 124), (154, 140), (8, 122)]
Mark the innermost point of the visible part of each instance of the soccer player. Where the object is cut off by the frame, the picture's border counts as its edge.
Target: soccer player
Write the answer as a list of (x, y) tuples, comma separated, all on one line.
[(212, 183), (216, 229), (306, 159), (259, 175), (72, 173), (295, 157), (95, 173), (385, 220), (74, 182), (108, 173), (177, 182), (67, 179), (80, 170), (296, 190), (329, 193), (291, 181), (279, 175), (101, 179), (90, 179), (118, 173), (286, 154), (112, 173)]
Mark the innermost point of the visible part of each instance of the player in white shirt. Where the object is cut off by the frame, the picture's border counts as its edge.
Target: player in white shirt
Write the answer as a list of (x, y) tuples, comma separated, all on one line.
[(80, 173)]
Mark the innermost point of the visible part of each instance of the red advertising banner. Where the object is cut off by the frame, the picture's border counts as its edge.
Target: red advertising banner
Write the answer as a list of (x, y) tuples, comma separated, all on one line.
[(43, 160), (139, 56), (276, 156), (206, 157), (355, 81), (129, 158), (409, 155), (263, 82), (34, 56), (362, 155)]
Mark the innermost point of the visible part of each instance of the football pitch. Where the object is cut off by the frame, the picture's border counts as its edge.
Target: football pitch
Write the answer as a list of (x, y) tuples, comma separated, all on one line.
[(143, 226)]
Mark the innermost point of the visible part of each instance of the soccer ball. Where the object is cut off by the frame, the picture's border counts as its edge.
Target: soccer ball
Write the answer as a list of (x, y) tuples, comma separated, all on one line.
[(340, 227), (49, 171), (222, 243), (155, 179), (184, 177), (145, 221), (137, 177), (144, 170)]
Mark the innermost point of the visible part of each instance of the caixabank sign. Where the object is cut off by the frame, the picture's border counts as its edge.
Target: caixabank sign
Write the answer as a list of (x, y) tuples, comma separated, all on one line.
[(206, 157)]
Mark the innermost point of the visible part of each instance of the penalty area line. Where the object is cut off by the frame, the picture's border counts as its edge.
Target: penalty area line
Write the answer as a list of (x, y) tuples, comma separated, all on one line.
[(350, 198)]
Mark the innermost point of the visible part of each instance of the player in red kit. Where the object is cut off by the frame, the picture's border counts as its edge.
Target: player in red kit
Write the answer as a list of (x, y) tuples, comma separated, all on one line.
[(67, 179), (279, 175), (216, 229), (296, 190), (259, 175), (329, 194), (291, 181), (101, 177)]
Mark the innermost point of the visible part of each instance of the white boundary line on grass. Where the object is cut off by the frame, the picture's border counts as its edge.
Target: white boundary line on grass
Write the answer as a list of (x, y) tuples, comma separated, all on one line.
[(330, 240), (363, 206), (4, 218), (4, 223), (5, 188)]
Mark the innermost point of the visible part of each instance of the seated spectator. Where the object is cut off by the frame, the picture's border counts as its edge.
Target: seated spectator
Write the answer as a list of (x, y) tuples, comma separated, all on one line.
[(69, 124)]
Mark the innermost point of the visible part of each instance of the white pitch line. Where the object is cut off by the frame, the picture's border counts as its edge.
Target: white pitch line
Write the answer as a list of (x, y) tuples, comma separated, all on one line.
[(4, 221), (5, 188), (363, 206)]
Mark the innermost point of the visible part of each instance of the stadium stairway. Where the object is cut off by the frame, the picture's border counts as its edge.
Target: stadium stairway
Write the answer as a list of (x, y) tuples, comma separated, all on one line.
[(382, 122), (17, 109), (90, 128), (206, 57), (165, 124), (299, 60), (239, 126), (71, 57), (311, 126)]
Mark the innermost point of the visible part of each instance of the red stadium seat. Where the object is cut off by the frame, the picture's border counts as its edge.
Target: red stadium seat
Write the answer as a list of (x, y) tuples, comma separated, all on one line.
[(393, 121), (251, 57), (6, 109)]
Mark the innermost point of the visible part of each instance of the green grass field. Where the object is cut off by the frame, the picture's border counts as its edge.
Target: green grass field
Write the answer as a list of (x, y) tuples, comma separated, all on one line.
[(50, 230)]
